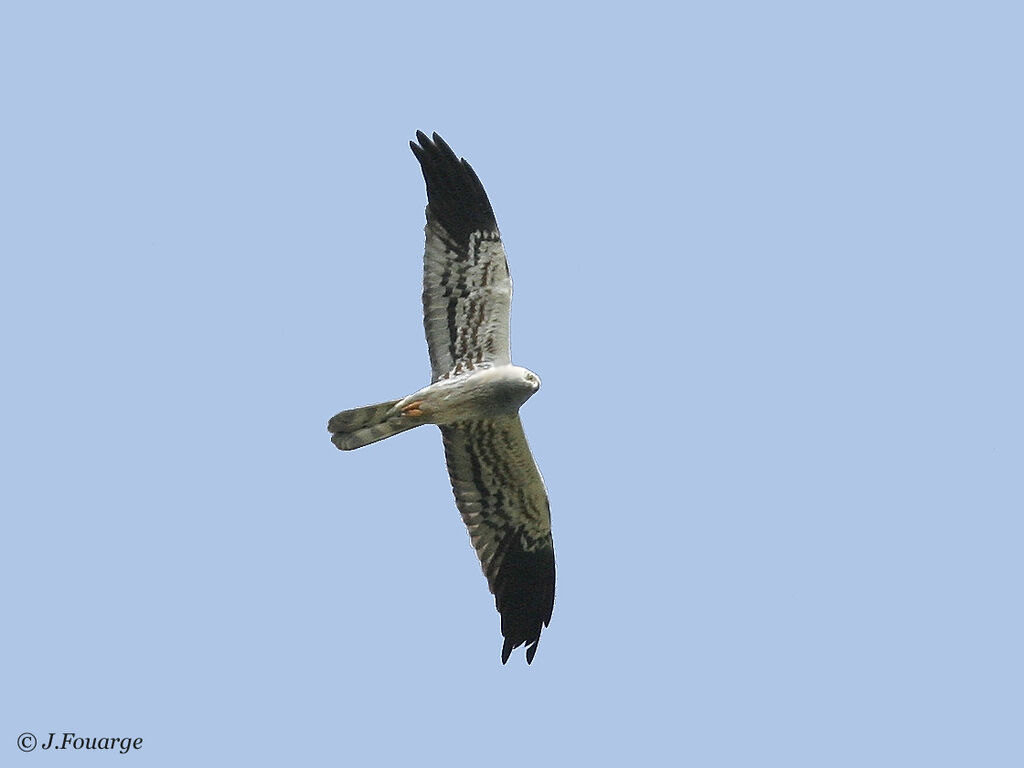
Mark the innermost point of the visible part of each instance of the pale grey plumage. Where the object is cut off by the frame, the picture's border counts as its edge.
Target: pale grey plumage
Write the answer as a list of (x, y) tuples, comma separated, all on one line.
[(466, 287), (475, 396)]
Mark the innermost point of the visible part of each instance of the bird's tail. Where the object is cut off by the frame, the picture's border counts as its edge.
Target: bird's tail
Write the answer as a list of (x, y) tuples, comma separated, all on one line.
[(362, 426)]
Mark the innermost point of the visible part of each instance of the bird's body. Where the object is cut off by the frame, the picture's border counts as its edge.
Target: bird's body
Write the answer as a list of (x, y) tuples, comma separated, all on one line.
[(484, 393), (474, 397)]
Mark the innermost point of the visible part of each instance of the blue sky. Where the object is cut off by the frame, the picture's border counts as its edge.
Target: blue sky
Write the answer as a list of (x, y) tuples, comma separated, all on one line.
[(767, 261)]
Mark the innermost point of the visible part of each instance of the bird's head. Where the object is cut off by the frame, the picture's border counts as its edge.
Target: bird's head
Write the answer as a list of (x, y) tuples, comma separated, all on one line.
[(532, 379), (513, 387)]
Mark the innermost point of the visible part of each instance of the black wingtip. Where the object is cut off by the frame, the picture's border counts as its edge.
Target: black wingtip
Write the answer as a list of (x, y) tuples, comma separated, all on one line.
[(524, 593), (509, 646), (531, 651), (455, 195)]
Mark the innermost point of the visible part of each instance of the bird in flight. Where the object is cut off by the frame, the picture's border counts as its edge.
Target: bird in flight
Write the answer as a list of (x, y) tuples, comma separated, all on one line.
[(474, 397)]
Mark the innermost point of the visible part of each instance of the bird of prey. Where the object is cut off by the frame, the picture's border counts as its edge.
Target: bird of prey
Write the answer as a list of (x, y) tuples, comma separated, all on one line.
[(474, 396)]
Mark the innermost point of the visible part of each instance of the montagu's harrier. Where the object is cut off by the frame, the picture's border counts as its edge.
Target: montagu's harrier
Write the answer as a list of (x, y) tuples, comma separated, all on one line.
[(474, 396)]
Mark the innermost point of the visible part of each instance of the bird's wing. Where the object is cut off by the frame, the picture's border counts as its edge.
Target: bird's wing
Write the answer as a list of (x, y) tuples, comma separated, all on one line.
[(501, 496), (467, 290)]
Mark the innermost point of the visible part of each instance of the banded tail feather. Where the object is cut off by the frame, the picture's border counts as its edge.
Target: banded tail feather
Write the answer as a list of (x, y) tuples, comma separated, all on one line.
[(361, 426)]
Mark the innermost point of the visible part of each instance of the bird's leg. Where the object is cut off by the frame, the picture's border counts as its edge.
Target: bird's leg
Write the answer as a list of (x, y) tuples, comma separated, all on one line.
[(413, 408)]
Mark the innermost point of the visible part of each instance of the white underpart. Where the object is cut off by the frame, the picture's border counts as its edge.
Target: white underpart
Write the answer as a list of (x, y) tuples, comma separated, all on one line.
[(478, 394)]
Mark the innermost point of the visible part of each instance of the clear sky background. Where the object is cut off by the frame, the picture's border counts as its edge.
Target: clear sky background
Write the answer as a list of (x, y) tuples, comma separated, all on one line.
[(768, 263)]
